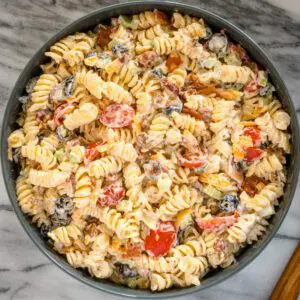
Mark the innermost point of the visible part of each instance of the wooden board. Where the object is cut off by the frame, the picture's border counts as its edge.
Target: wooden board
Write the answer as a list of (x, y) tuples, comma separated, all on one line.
[(288, 285)]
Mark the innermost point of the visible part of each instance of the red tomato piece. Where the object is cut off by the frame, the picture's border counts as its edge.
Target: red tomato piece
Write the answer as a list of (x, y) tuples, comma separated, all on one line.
[(254, 133), (215, 224), (158, 242), (59, 113), (91, 152), (117, 115), (252, 154), (111, 195)]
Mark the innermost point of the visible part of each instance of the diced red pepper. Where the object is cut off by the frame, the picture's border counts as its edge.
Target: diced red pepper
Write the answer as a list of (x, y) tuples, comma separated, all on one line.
[(215, 224)]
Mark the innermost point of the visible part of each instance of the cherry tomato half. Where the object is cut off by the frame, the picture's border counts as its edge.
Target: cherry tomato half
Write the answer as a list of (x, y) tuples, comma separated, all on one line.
[(158, 242), (252, 154), (111, 195), (117, 115), (254, 133)]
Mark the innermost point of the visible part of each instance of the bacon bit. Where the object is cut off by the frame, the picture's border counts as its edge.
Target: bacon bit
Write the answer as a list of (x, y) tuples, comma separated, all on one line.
[(215, 224), (161, 17), (92, 229), (240, 52), (220, 245), (147, 59), (43, 115), (204, 115), (252, 87), (173, 62), (153, 169), (103, 36), (171, 86), (125, 58), (131, 251), (253, 185)]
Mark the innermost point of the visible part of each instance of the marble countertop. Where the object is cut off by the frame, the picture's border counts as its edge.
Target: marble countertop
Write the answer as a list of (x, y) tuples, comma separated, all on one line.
[(24, 26)]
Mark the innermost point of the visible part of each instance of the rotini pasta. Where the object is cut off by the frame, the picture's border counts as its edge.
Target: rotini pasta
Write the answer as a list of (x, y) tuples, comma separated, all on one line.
[(151, 150), (85, 114)]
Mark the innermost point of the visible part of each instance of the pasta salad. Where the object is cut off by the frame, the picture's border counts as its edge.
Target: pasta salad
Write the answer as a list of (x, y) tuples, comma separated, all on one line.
[(151, 150)]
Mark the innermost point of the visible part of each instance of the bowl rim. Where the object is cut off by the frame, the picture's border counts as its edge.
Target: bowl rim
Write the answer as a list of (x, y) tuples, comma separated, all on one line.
[(117, 289)]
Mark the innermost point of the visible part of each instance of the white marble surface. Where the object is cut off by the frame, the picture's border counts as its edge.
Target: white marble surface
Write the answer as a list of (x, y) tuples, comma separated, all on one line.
[(24, 26)]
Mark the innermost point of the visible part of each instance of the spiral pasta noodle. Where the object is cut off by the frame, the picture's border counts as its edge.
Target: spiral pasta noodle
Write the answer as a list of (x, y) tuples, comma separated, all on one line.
[(85, 114), (150, 150), (104, 166)]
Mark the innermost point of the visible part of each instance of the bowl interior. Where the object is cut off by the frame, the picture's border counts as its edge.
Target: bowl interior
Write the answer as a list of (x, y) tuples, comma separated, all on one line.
[(88, 22)]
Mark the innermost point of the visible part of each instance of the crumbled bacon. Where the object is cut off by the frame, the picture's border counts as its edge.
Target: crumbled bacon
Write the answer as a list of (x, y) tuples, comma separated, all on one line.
[(171, 86), (174, 61), (161, 17), (44, 115), (220, 245), (131, 251), (204, 114), (103, 36), (148, 59), (252, 185)]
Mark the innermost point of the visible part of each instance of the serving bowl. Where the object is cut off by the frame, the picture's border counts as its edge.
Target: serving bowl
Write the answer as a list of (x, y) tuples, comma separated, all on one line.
[(87, 22)]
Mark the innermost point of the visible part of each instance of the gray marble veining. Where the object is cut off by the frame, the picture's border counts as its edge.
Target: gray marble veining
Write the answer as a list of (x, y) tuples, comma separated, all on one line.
[(24, 26)]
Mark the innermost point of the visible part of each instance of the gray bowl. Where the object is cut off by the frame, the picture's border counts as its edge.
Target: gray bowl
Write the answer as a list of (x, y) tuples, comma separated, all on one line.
[(10, 171)]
